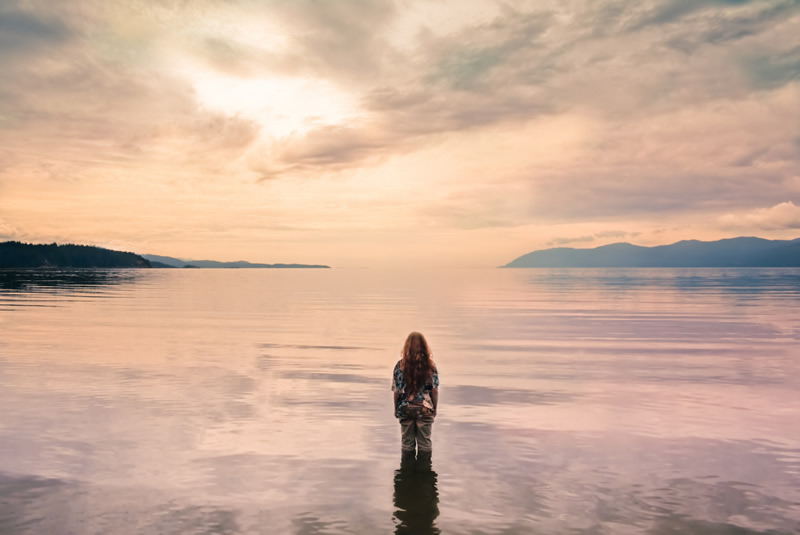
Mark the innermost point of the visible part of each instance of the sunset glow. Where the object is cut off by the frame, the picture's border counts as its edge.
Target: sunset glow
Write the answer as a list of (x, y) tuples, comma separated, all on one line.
[(366, 133)]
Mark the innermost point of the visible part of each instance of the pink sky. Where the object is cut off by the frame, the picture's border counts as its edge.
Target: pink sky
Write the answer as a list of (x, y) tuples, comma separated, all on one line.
[(377, 133)]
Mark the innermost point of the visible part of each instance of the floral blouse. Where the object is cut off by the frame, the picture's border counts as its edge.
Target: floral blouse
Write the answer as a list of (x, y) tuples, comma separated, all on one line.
[(424, 391)]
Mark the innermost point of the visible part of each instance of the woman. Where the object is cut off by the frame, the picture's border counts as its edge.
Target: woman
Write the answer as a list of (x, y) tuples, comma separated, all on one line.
[(416, 394)]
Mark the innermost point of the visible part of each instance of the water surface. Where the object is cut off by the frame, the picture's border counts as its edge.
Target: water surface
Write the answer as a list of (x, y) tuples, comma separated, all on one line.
[(594, 401)]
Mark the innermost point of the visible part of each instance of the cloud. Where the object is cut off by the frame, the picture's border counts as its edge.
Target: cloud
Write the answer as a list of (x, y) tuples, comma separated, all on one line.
[(715, 28), (603, 195), (463, 63), (96, 102), (229, 56), (341, 37), (532, 63), (344, 40), (523, 63), (785, 215), (669, 11), (615, 234), (602, 235), (22, 32), (564, 241), (9, 232), (774, 70), (327, 146)]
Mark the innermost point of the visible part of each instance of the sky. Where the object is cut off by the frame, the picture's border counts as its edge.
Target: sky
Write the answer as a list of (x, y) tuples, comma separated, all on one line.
[(371, 133)]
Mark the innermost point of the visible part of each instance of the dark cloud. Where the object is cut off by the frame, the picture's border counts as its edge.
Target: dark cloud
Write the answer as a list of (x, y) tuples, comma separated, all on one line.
[(750, 157), (22, 32), (668, 11), (330, 148), (717, 28), (425, 110), (468, 63), (329, 145), (774, 70)]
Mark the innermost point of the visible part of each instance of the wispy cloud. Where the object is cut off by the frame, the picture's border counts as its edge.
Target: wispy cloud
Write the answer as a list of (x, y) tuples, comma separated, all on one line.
[(604, 235), (576, 239)]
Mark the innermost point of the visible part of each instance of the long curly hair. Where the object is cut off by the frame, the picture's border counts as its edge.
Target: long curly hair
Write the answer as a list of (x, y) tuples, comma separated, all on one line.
[(417, 363)]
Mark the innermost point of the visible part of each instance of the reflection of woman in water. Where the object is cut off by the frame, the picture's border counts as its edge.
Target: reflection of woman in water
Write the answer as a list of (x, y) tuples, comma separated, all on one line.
[(416, 498), (416, 394)]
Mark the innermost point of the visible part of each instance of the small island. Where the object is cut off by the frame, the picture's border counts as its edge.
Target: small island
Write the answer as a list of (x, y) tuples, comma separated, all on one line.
[(14, 254), (171, 262), (733, 252)]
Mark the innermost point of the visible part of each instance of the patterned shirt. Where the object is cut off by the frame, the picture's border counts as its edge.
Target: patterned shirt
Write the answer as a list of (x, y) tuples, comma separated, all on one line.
[(423, 392)]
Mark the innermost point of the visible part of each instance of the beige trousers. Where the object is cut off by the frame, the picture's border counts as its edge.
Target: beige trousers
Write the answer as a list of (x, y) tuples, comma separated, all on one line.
[(416, 434)]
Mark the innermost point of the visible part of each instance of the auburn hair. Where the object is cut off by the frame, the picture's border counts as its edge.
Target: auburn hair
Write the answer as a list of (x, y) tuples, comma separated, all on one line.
[(417, 363)]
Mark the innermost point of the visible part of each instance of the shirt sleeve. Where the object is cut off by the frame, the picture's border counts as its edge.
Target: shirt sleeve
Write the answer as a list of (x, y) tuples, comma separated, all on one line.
[(397, 379), (436, 379)]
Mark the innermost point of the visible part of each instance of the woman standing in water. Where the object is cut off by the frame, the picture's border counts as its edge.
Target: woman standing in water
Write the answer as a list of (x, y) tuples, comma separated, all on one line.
[(416, 394)]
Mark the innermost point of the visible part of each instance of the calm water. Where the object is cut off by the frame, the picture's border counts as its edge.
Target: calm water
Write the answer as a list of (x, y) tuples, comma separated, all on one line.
[(258, 401)]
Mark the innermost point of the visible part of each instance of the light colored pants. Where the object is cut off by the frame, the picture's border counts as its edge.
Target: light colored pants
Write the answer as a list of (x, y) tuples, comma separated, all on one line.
[(416, 434)]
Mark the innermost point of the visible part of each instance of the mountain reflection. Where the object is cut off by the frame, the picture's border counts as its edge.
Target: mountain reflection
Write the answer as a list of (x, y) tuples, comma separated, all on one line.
[(738, 282), (416, 497), (63, 280)]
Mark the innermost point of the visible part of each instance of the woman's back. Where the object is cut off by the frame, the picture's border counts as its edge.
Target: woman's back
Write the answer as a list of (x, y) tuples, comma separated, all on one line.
[(423, 391)]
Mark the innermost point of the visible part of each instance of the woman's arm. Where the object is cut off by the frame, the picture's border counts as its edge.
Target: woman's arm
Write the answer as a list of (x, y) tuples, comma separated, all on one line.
[(396, 396), (435, 390)]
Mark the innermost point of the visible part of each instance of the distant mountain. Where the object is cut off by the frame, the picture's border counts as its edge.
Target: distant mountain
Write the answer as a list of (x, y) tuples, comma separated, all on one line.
[(164, 261), (157, 264), (169, 261), (734, 252), (15, 254)]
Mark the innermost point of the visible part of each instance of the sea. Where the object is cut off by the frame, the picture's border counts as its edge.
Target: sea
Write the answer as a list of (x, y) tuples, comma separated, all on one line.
[(238, 401)]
